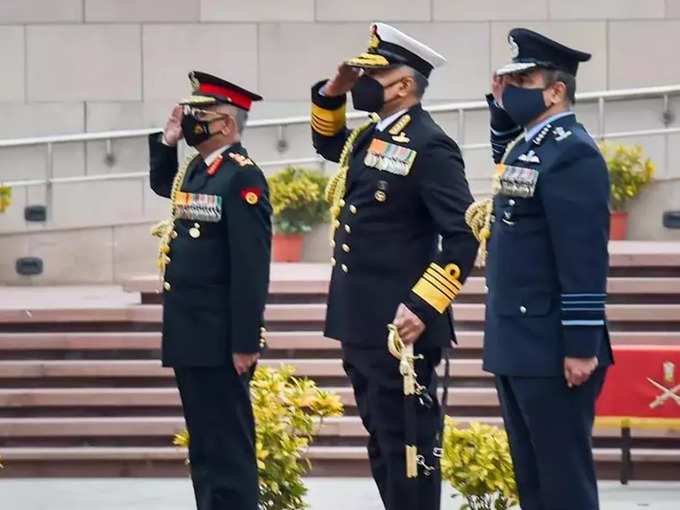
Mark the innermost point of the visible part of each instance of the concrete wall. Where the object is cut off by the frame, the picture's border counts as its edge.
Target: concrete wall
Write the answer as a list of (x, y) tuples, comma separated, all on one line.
[(91, 65)]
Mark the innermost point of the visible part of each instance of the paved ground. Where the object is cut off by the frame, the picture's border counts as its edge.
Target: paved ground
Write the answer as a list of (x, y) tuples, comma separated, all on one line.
[(324, 494)]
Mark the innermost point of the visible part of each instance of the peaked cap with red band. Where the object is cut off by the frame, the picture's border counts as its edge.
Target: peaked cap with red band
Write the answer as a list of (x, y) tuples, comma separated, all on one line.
[(209, 89)]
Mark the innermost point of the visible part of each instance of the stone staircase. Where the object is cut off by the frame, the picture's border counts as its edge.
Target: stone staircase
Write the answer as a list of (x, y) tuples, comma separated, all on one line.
[(82, 392)]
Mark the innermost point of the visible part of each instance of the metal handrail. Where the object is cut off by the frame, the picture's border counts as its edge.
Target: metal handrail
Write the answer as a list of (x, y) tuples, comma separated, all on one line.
[(290, 121), (460, 108)]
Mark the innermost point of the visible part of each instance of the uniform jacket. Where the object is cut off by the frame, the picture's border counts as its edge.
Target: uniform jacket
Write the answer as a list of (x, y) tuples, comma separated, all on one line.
[(216, 282), (386, 242), (547, 263)]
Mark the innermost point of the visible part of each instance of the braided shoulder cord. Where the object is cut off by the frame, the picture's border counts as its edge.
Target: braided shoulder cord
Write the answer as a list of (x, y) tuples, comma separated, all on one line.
[(164, 228), (336, 187), (479, 216)]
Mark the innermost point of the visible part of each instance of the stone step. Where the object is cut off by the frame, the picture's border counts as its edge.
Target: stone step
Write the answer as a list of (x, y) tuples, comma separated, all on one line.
[(152, 369), (650, 464), (277, 341), (317, 283), (299, 313), (122, 427), (133, 398)]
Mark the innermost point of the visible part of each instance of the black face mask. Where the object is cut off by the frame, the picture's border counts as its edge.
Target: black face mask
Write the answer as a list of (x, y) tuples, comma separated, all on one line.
[(523, 105), (368, 94), (195, 132)]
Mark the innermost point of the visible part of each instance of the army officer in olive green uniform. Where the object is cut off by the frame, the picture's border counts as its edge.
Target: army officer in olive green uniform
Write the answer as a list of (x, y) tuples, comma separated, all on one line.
[(215, 257)]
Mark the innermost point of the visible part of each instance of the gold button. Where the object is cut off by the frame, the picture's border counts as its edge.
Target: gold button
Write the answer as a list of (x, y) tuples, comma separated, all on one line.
[(348, 229), (345, 268), (342, 203), (194, 233), (345, 248), (353, 209), (167, 286), (197, 225), (333, 261), (380, 196), (173, 234), (332, 243)]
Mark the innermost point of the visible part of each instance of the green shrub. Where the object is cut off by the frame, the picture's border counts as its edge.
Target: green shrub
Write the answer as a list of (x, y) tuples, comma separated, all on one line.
[(628, 172), (5, 197), (288, 411), (477, 464), (297, 197)]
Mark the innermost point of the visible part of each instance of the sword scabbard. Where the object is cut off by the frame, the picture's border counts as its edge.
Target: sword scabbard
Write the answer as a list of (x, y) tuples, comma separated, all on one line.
[(411, 461)]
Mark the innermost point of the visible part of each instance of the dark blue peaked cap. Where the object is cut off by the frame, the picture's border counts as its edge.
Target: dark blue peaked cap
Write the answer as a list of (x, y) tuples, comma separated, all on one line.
[(531, 49)]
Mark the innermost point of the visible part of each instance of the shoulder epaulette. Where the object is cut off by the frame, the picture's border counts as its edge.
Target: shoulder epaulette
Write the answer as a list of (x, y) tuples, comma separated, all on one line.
[(241, 160)]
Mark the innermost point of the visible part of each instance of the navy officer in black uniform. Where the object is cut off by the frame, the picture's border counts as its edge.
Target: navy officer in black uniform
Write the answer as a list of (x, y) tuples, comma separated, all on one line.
[(546, 333), (215, 256), (401, 186)]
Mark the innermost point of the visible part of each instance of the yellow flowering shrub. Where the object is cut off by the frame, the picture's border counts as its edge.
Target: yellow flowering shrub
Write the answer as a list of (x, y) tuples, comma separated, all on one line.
[(628, 172), (5, 197), (297, 197), (288, 411), (477, 463)]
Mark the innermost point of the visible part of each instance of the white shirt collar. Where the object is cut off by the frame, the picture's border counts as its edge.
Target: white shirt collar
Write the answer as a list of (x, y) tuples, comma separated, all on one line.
[(210, 159), (534, 130), (389, 120)]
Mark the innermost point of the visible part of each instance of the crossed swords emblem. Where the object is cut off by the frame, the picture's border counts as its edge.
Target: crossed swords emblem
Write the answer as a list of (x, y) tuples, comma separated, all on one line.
[(667, 393)]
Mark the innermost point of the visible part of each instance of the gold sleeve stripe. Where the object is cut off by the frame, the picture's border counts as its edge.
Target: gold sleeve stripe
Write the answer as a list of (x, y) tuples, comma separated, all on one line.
[(328, 122), (432, 295), (450, 274), (448, 293), (443, 282), (323, 129), (439, 286)]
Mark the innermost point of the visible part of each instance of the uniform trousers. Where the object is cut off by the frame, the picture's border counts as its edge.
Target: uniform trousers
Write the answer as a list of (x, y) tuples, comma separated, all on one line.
[(219, 417), (378, 389), (550, 430)]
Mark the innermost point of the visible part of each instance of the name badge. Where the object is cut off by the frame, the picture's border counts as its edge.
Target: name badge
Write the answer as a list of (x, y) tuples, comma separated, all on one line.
[(389, 157), (198, 207), (517, 181)]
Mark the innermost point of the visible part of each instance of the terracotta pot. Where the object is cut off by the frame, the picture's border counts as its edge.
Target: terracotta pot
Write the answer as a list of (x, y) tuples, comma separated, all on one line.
[(618, 223), (287, 247)]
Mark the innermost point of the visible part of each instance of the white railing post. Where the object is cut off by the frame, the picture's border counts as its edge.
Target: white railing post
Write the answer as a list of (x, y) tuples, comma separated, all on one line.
[(600, 118), (49, 175)]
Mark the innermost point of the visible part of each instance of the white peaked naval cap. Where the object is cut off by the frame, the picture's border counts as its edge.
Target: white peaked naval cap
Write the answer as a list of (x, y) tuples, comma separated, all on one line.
[(388, 46)]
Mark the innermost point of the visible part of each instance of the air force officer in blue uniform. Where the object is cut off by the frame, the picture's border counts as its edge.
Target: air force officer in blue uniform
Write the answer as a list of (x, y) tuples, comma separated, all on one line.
[(546, 333)]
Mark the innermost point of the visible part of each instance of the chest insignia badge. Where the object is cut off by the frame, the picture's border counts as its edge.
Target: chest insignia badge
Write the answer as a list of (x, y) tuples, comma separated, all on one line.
[(561, 134), (529, 157), (401, 138)]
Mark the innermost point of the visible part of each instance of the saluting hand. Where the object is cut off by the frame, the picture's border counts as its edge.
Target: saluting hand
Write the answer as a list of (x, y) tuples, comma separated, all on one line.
[(578, 370), (173, 127), (497, 87), (408, 324), (244, 361), (343, 81)]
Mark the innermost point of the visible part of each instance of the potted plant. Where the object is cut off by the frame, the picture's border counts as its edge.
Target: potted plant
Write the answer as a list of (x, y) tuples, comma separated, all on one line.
[(298, 203), (476, 462), (287, 412), (5, 197), (628, 174)]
